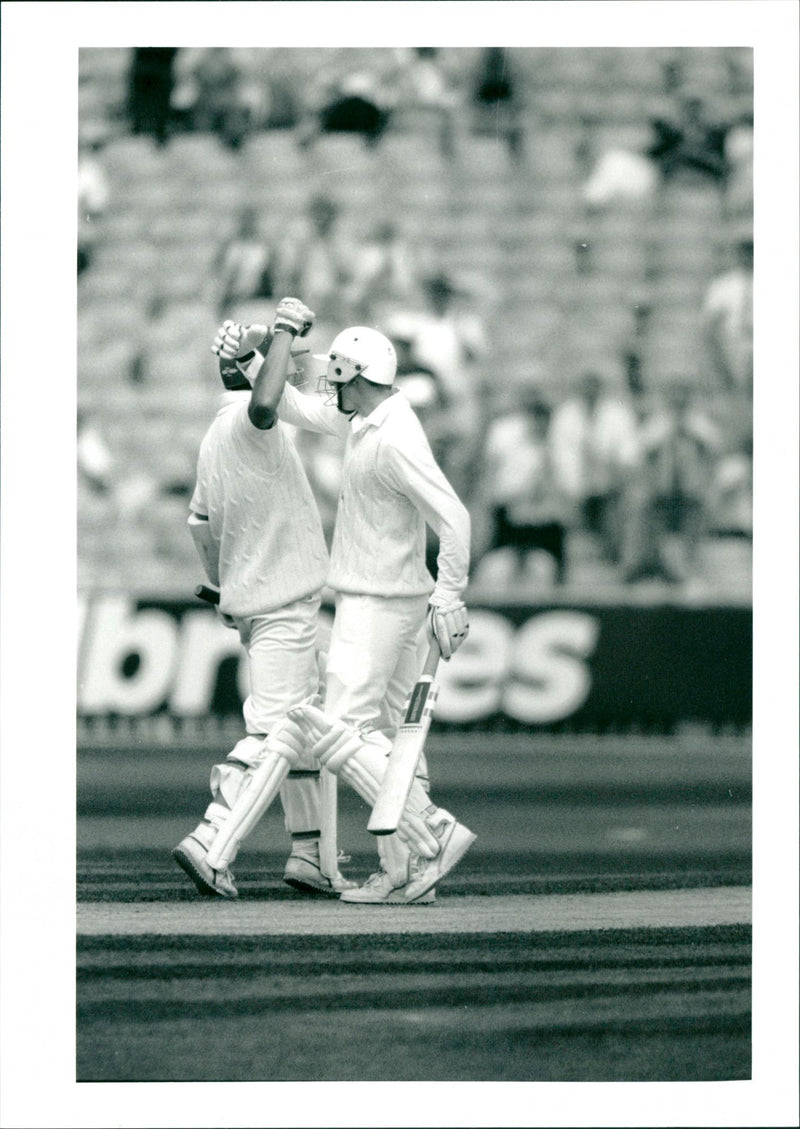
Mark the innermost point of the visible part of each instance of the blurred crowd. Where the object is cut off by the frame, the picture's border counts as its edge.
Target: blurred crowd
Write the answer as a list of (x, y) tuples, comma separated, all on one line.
[(597, 473)]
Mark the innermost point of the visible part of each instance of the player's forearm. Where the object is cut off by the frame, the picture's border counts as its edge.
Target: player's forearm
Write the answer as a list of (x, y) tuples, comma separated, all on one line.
[(206, 547), (452, 563), (269, 381), (311, 413)]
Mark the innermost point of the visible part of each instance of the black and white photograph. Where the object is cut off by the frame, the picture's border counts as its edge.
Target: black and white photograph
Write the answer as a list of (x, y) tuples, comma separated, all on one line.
[(400, 550)]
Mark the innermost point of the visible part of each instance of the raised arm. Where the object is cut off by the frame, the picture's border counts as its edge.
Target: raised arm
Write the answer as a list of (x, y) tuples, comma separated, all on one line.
[(235, 345)]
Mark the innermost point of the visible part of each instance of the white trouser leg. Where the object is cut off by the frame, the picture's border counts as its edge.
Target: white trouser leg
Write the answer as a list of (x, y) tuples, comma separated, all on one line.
[(282, 662), (373, 659), (282, 667), (373, 662)]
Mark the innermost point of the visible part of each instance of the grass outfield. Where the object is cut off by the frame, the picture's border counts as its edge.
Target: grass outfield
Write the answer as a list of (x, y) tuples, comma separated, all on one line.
[(620, 1005), (496, 982)]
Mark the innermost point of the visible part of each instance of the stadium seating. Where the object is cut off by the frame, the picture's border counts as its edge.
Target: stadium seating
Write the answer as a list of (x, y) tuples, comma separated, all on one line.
[(565, 281)]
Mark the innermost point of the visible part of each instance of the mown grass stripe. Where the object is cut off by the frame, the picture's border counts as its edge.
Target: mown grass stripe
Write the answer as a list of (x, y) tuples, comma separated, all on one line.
[(456, 996), (598, 940)]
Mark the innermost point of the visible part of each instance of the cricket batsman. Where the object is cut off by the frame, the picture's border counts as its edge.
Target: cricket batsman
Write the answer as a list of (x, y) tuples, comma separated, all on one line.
[(257, 529), (391, 486)]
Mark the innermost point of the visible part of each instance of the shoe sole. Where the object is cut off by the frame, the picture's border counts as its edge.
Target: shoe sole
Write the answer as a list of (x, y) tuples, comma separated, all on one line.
[(451, 855), (186, 863), (309, 888), (421, 900)]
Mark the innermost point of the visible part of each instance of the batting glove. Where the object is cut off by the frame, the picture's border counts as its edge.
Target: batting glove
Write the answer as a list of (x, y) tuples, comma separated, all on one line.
[(234, 341), (293, 317), (449, 626)]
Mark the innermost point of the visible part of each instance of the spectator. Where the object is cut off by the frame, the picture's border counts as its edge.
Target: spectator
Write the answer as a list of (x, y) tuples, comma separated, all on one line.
[(348, 95), (213, 96), (425, 83), (95, 461), (728, 321), (94, 194), (424, 390), (150, 86), (497, 98), (244, 266), (316, 260), (528, 504), (739, 147), (594, 438), (450, 339), (679, 445), (620, 175), (383, 273), (689, 144), (731, 501)]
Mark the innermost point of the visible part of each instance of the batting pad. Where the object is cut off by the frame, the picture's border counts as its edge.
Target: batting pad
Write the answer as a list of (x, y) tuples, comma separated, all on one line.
[(343, 751), (254, 799), (364, 770)]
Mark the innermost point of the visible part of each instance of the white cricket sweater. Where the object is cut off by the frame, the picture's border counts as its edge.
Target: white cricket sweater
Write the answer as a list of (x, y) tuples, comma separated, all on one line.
[(391, 486), (252, 486)]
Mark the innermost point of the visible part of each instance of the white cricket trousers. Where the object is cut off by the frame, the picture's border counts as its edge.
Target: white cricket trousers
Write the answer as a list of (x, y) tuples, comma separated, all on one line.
[(282, 661), (374, 659), (281, 647)]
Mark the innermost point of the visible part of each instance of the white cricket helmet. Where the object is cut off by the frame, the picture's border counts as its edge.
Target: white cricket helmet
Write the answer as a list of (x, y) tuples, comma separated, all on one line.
[(361, 351)]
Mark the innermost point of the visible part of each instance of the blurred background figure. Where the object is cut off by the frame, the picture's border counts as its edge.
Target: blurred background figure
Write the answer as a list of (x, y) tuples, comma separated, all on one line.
[(526, 500), (212, 94), (383, 274), (244, 265), (739, 150), (316, 260), (95, 461), (728, 320), (679, 447), (350, 92), (94, 193), (620, 176), (150, 86), (689, 144), (423, 387), (427, 89), (497, 98), (594, 436), (731, 494), (449, 338)]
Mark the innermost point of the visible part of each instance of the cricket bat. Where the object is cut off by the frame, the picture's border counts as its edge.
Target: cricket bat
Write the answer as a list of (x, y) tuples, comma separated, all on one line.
[(407, 748)]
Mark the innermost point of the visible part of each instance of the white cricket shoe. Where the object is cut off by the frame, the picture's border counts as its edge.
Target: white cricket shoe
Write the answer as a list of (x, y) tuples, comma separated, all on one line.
[(378, 891), (191, 856), (455, 840), (304, 874)]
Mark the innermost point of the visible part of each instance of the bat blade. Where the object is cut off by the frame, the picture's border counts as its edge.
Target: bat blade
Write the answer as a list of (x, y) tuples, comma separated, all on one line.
[(406, 750)]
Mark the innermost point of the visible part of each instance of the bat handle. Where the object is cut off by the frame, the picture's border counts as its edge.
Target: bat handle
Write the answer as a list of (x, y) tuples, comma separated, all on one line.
[(210, 595), (432, 659)]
